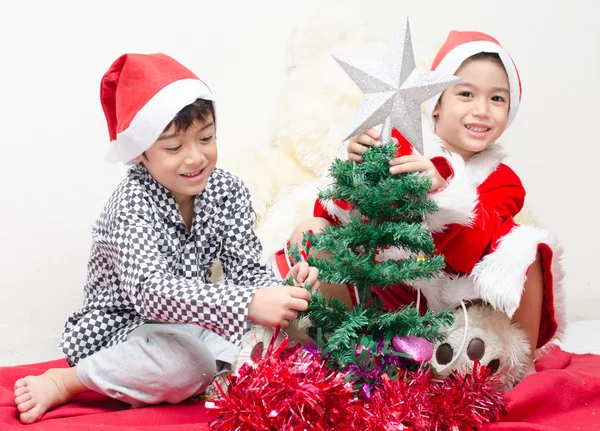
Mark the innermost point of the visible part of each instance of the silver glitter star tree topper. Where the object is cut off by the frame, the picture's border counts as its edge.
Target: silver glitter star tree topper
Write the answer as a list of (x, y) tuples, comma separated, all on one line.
[(393, 91)]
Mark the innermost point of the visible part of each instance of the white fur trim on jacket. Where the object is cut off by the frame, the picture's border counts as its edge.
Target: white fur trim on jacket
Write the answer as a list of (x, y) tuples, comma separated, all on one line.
[(457, 202), (481, 166), (500, 276), (339, 213), (395, 254)]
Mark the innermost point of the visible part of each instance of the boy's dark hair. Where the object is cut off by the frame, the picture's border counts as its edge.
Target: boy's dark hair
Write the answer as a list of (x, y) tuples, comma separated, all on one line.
[(200, 110), (492, 56)]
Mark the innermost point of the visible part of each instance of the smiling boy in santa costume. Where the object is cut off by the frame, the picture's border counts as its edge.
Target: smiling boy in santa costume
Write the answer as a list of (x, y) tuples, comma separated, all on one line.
[(488, 256), (153, 328)]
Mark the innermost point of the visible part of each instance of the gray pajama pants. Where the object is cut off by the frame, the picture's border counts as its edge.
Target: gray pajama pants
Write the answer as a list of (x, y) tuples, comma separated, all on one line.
[(159, 362)]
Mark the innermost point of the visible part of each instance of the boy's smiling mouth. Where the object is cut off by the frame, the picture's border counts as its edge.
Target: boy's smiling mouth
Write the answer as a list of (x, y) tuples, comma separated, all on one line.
[(195, 175), (477, 129)]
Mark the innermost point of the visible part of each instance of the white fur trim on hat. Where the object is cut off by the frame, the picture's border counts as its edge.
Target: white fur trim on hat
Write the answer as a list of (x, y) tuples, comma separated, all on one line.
[(155, 115), (456, 57)]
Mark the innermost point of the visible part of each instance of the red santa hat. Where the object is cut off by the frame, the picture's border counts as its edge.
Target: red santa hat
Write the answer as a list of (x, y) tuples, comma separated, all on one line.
[(461, 45), (140, 96)]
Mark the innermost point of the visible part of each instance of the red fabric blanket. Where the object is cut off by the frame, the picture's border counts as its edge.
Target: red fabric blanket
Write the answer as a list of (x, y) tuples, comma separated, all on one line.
[(563, 395)]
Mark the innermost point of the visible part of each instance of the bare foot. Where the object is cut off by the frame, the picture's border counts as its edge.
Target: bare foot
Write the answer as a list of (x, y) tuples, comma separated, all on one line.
[(35, 395)]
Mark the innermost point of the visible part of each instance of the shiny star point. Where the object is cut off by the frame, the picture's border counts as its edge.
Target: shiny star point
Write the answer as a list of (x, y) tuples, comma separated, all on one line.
[(394, 89)]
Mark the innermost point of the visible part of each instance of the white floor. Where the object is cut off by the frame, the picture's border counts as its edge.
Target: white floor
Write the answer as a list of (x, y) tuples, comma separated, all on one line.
[(582, 336)]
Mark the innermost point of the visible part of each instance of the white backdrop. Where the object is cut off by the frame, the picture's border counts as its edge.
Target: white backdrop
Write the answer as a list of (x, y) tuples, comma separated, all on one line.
[(55, 182)]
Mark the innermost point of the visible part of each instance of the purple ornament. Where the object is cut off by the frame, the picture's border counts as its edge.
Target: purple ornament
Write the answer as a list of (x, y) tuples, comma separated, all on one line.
[(419, 349)]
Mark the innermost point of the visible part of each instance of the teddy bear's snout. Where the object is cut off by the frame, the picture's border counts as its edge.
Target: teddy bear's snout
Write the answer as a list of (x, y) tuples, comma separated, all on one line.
[(475, 351)]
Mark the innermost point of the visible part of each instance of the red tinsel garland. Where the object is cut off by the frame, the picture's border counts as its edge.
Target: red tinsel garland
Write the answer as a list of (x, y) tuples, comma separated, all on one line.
[(421, 401), (286, 390), (289, 390)]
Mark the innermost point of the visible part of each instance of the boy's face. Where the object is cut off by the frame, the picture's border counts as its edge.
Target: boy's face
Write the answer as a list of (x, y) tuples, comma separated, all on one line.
[(183, 161), (471, 115)]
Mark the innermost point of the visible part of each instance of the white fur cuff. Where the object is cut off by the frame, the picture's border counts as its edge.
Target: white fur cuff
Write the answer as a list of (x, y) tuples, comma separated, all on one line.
[(500, 276), (456, 202), (336, 211)]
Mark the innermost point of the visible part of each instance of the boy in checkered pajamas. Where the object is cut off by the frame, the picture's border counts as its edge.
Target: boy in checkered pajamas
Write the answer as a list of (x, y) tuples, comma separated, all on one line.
[(152, 327)]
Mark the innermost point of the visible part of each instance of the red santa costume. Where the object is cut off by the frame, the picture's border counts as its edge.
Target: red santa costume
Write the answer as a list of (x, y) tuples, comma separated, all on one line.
[(487, 253)]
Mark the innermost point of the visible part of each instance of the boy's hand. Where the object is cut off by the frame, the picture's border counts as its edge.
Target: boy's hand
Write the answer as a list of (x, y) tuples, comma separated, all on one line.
[(277, 305), (358, 145), (415, 163), (303, 274)]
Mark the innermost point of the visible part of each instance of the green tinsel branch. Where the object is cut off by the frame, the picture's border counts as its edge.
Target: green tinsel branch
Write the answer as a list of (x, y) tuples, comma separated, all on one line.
[(364, 273), (356, 233)]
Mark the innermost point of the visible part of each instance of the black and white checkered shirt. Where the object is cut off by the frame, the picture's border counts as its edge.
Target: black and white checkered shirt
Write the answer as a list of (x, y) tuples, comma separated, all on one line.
[(146, 265)]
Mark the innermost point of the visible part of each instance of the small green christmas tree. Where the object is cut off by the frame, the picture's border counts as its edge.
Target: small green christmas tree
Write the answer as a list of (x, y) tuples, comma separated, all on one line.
[(388, 211)]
